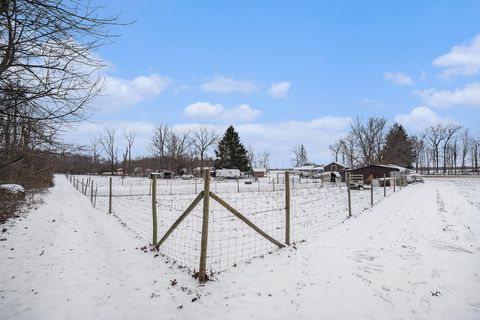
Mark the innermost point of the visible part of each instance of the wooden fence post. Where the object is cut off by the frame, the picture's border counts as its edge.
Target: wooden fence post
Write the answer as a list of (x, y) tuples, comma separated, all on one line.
[(154, 209), (196, 186), (238, 186), (371, 190), (384, 185), (110, 196), (287, 208), (349, 196), (394, 180), (202, 271)]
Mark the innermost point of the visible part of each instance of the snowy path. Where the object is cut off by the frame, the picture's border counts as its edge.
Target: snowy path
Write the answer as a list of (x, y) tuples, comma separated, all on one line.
[(415, 255)]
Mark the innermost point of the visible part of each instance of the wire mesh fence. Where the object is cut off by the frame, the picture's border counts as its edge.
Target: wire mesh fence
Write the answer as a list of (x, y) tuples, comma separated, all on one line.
[(313, 208)]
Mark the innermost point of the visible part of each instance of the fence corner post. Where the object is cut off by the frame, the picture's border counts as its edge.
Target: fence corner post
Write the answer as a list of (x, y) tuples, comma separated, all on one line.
[(154, 209), (202, 270), (347, 175), (287, 207)]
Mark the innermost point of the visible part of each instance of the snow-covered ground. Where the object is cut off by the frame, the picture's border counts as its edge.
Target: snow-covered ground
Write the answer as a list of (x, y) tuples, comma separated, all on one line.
[(415, 255)]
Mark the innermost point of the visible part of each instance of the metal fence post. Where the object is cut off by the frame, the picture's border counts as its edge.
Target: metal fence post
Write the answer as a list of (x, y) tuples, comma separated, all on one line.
[(91, 191), (287, 208), (202, 270), (110, 197), (95, 201), (371, 190), (349, 196), (154, 209), (384, 185)]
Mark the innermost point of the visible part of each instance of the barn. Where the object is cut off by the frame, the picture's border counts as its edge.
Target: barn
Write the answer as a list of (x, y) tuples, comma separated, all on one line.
[(335, 166), (377, 170)]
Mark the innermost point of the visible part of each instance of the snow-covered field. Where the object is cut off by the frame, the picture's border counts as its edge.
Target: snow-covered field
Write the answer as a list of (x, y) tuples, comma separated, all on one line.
[(414, 255)]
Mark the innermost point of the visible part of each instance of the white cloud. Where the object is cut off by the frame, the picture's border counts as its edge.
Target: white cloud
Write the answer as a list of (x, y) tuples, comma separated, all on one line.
[(420, 118), (206, 110), (398, 78), (461, 60), (226, 85), (280, 89), (203, 110), (467, 96), (121, 93)]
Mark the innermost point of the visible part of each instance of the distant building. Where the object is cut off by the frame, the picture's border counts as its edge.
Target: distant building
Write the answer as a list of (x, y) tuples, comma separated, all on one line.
[(335, 166), (308, 170), (377, 170), (259, 172)]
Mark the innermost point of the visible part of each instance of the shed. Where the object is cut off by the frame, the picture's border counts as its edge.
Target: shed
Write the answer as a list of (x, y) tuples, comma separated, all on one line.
[(377, 170)]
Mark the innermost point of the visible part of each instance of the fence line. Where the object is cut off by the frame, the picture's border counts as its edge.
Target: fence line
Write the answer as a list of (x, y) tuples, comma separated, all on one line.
[(237, 226)]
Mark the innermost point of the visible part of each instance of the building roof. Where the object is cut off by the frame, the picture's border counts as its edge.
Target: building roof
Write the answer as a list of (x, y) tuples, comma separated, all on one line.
[(337, 163), (393, 168)]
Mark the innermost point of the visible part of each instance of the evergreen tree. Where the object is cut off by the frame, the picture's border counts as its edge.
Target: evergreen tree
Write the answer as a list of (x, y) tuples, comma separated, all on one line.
[(398, 148), (231, 154)]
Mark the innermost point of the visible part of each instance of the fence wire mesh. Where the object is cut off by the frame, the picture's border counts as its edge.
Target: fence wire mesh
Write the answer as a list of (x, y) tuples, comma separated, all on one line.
[(315, 206)]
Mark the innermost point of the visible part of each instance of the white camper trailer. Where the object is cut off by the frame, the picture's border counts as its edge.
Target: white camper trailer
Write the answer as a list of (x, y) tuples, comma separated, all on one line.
[(228, 173)]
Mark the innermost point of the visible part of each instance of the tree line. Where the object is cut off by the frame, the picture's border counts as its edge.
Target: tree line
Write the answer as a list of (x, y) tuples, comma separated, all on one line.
[(177, 150), (440, 148)]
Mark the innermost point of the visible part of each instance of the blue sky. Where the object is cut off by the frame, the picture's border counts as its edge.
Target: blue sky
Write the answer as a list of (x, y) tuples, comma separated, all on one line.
[(289, 72)]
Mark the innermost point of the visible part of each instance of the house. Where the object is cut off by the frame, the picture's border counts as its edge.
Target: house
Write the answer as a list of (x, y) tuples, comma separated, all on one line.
[(335, 166), (377, 170)]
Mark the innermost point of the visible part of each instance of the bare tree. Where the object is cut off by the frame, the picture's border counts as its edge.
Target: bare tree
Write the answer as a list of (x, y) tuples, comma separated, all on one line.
[(349, 150), (203, 138), (177, 146), (418, 143), (159, 142), (49, 74), (434, 136), (336, 148), (94, 148), (466, 144), (475, 150), (369, 138), (107, 141), (449, 132), (251, 156), (130, 137), (263, 159)]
